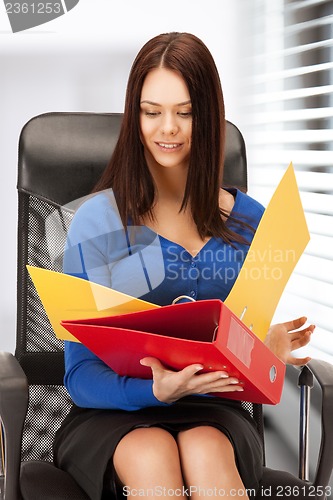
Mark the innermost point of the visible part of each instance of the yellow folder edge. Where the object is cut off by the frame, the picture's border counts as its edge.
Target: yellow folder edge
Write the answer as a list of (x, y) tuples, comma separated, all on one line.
[(278, 243), (68, 297)]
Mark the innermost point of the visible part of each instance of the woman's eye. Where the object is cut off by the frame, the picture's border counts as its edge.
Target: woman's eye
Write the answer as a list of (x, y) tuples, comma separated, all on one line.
[(151, 113)]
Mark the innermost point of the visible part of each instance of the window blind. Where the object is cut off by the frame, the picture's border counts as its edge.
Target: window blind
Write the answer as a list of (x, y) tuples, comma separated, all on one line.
[(287, 115)]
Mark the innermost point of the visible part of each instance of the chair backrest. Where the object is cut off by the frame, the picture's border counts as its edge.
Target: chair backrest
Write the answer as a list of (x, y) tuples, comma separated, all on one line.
[(61, 156)]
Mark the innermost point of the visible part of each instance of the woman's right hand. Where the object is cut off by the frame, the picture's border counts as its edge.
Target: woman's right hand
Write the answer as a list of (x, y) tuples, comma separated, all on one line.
[(169, 386)]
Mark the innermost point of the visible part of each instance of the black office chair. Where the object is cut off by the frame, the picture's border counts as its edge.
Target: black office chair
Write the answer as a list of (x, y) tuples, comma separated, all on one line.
[(61, 155)]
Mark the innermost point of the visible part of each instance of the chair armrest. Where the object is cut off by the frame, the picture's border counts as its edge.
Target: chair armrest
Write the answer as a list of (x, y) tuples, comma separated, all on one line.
[(323, 372), (14, 395)]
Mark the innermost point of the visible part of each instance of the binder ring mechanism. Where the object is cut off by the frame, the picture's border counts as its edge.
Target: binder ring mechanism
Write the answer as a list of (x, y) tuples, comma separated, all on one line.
[(191, 299), (177, 299)]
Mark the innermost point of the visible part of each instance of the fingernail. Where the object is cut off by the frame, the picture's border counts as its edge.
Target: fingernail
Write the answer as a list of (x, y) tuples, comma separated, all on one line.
[(224, 375), (234, 381), (199, 367)]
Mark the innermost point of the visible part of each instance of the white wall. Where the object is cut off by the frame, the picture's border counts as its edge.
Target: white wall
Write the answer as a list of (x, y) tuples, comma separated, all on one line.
[(80, 62)]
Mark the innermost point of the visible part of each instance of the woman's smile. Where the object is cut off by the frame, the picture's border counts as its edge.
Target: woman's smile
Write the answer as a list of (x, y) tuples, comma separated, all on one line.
[(169, 147)]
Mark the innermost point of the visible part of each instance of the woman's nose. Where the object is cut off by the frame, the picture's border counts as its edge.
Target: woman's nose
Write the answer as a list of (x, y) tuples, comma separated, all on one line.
[(169, 125)]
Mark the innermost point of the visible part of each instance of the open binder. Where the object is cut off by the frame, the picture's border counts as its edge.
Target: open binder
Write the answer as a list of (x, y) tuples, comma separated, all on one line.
[(204, 332)]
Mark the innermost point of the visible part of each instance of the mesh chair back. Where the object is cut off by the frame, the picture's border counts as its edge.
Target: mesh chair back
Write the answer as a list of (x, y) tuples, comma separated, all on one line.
[(61, 156)]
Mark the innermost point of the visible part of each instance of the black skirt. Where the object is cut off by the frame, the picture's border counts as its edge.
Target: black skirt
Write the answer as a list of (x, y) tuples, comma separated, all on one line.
[(87, 439)]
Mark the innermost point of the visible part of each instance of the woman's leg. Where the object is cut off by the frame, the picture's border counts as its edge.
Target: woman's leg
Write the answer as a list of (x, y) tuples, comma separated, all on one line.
[(147, 462), (208, 464)]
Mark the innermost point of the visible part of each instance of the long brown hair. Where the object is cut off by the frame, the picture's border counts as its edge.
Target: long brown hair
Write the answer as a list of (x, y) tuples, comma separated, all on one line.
[(127, 172)]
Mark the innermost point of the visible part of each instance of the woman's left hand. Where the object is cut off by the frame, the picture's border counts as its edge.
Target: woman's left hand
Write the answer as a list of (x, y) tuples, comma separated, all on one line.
[(284, 338)]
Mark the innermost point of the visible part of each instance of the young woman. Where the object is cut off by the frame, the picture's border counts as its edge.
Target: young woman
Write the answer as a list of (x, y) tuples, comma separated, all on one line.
[(156, 228)]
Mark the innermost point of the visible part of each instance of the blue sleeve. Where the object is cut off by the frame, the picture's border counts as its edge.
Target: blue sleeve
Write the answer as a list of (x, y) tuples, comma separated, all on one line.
[(89, 381), (92, 384)]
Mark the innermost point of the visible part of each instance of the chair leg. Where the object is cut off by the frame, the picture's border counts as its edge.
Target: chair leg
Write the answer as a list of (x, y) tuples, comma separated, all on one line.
[(305, 383), (2, 452), (2, 463)]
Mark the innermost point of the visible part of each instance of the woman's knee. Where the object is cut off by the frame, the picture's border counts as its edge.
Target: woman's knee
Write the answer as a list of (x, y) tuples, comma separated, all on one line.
[(205, 440), (145, 447), (208, 460)]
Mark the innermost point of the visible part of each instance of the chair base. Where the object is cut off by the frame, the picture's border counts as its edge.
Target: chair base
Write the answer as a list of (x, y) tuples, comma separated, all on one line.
[(43, 481), (277, 485), (2, 487)]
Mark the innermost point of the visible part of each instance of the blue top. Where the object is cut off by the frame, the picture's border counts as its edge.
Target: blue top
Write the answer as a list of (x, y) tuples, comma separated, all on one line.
[(141, 263)]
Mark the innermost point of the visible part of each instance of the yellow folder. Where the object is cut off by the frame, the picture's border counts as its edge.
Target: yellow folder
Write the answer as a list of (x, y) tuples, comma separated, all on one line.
[(67, 297), (277, 245)]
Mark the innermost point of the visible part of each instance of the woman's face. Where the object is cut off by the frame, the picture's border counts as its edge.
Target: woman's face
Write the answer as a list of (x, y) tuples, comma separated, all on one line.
[(166, 119)]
